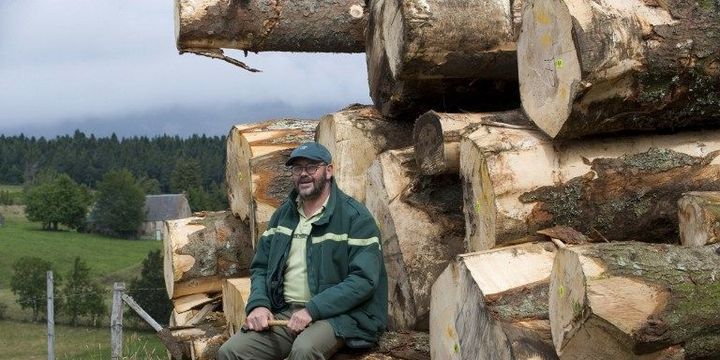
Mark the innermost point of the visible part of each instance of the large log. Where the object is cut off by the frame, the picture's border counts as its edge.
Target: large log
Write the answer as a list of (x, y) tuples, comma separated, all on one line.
[(699, 218), (235, 294), (493, 305), (516, 182), (257, 25), (421, 225), (436, 136), (255, 169), (589, 67), (407, 77), (355, 136), (200, 251), (633, 300)]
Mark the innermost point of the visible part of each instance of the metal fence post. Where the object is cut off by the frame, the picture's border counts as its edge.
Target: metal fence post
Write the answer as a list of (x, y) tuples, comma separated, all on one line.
[(50, 316), (116, 321)]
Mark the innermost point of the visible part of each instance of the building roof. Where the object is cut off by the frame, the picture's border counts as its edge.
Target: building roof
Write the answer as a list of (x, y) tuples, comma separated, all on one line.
[(166, 207)]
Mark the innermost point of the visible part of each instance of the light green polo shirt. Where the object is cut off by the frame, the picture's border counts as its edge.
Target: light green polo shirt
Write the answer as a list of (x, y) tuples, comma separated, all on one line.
[(296, 280)]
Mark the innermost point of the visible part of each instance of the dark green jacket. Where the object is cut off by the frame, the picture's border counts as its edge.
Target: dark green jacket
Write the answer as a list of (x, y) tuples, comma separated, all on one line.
[(346, 274)]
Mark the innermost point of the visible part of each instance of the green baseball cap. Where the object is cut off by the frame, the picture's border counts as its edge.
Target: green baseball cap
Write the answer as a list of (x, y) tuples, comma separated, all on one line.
[(310, 150)]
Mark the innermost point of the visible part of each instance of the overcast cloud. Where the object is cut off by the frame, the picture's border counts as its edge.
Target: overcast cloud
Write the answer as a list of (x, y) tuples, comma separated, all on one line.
[(95, 64)]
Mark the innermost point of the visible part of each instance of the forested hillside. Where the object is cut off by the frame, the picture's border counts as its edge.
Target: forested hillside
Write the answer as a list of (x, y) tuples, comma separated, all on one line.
[(87, 158)]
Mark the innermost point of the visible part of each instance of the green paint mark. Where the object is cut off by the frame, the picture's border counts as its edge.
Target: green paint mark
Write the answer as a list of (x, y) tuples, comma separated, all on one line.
[(477, 206), (561, 291), (577, 308), (559, 63), (456, 348)]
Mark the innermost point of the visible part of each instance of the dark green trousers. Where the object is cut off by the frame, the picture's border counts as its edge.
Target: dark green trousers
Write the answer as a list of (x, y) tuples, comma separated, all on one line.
[(316, 342)]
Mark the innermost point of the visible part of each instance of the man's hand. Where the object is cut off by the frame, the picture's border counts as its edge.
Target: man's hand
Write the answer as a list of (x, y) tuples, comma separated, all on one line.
[(299, 321), (258, 318)]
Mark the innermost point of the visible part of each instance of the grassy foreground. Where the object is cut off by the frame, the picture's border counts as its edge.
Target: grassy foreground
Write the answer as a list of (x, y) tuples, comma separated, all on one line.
[(29, 341)]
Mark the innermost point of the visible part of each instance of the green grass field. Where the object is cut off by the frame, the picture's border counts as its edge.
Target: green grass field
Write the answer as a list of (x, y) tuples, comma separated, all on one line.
[(16, 191), (29, 341), (109, 259)]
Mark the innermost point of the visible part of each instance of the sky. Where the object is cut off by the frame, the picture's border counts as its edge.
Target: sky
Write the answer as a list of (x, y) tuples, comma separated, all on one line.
[(112, 66)]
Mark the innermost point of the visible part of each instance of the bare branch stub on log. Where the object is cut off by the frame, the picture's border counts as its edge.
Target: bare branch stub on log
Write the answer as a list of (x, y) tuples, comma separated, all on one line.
[(588, 68)]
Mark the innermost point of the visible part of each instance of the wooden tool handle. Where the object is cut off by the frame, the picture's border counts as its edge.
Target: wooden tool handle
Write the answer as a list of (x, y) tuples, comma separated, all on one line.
[(278, 322)]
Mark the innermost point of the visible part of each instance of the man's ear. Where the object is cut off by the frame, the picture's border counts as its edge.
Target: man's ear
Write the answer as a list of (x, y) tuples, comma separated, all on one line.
[(328, 171)]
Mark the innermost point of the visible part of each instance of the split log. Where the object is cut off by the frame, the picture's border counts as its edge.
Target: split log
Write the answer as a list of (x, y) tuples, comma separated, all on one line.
[(201, 251), (393, 345), (205, 338), (436, 136), (407, 77), (235, 295), (421, 225), (589, 67), (516, 182), (354, 137), (186, 303), (255, 169), (493, 305), (699, 218), (254, 25), (633, 300)]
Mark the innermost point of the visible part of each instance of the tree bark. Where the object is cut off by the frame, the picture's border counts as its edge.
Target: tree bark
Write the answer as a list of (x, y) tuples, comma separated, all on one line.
[(355, 136), (255, 169), (589, 67), (699, 217), (235, 294), (627, 300), (516, 182), (413, 67), (479, 311), (436, 136), (420, 222), (200, 251), (255, 25)]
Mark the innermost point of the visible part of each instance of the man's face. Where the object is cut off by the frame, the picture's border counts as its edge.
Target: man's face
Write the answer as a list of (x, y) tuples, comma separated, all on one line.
[(308, 185)]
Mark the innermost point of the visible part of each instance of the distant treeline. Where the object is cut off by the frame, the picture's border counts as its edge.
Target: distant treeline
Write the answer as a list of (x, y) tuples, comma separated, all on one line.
[(87, 158)]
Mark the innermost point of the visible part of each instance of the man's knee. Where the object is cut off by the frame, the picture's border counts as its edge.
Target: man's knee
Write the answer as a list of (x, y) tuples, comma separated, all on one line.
[(225, 352), (304, 350)]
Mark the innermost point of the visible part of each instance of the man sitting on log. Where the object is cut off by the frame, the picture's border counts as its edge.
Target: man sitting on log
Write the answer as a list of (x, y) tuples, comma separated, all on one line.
[(320, 266)]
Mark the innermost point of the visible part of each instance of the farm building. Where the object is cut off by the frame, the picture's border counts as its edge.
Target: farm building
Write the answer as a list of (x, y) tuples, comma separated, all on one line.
[(159, 208)]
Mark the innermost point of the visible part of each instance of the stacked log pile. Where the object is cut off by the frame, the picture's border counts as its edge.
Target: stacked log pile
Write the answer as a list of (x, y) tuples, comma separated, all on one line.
[(496, 126)]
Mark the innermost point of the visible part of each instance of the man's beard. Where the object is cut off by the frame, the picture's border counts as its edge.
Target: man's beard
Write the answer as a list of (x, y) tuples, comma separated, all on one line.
[(313, 192)]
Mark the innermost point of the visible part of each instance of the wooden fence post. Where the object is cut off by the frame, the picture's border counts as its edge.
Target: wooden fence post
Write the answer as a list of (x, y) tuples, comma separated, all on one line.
[(116, 321), (50, 316)]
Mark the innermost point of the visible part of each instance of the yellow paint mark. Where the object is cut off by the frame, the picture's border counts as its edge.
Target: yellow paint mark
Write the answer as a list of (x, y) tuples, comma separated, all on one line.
[(450, 332), (456, 348), (541, 16), (561, 291), (563, 93), (559, 63), (478, 206), (545, 40)]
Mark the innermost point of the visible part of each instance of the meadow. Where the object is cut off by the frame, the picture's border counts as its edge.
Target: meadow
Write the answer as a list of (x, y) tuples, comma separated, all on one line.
[(109, 259)]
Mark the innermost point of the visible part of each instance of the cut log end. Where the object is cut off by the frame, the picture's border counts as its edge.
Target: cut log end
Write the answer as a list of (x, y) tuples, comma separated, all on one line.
[(699, 218), (429, 144), (548, 65)]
